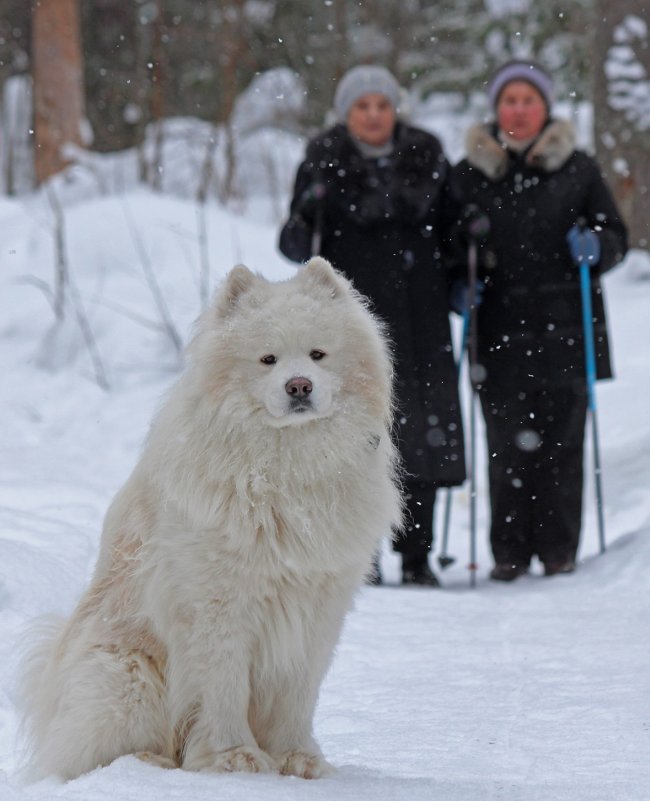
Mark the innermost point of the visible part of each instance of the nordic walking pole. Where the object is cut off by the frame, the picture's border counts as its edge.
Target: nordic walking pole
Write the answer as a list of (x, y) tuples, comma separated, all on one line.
[(478, 226), (317, 233), (472, 362), (590, 372), (318, 192), (445, 559)]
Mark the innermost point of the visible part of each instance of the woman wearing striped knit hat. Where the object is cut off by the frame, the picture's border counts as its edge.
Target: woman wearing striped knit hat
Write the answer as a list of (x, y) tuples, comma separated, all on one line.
[(545, 201)]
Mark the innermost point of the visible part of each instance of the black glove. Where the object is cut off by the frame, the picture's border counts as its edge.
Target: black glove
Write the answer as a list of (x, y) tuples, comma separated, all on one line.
[(475, 223), (306, 204)]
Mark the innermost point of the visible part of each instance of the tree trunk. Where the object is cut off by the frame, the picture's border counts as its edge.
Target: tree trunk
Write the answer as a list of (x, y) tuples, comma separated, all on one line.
[(157, 95), (234, 51), (622, 109), (58, 83)]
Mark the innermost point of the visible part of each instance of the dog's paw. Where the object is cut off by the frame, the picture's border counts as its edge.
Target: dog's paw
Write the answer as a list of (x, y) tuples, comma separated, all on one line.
[(304, 765), (156, 759), (243, 758)]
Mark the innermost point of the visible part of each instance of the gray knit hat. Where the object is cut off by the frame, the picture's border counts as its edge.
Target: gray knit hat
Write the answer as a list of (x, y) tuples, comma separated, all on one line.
[(363, 80), (521, 70)]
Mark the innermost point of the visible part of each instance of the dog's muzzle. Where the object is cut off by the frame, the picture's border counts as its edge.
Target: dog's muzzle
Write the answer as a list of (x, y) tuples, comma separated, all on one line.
[(299, 390)]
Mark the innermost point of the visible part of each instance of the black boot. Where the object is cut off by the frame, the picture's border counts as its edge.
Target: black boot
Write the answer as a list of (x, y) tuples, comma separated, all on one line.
[(507, 571), (416, 571), (562, 566)]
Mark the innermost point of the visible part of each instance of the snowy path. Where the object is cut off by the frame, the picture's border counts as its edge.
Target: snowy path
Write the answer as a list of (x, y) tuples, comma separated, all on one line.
[(536, 691)]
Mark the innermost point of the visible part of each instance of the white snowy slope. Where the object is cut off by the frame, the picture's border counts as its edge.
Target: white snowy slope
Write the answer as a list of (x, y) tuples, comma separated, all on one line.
[(537, 691)]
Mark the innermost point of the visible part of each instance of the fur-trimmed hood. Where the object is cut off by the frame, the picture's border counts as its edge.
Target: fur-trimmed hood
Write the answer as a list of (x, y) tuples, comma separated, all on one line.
[(549, 151)]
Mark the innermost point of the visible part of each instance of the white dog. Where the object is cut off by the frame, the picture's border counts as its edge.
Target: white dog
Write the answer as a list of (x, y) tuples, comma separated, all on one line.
[(231, 555)]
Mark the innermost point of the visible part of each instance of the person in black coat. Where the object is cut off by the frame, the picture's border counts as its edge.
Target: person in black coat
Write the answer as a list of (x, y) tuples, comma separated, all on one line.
[(372, 196), (524, 173)]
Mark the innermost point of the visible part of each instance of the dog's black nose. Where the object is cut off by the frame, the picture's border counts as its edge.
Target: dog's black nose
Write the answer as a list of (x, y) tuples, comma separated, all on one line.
[(298, 387)]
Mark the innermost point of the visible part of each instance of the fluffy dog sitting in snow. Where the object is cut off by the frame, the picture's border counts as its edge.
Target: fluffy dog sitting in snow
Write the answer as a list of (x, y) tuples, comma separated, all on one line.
[(231, 555)]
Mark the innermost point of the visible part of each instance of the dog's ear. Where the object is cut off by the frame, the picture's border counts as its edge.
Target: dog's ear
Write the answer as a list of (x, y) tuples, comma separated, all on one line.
[(320, 273), (238, 281)]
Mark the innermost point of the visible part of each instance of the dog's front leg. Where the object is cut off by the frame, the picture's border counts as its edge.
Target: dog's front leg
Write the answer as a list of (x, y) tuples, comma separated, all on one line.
[(286, 731), (289, 736), (209, 682)]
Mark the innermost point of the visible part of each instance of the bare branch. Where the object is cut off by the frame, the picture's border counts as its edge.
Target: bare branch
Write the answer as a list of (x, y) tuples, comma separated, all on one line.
[(129, 314), (152, 282), (32, 280), (88, 337), (61, 269)]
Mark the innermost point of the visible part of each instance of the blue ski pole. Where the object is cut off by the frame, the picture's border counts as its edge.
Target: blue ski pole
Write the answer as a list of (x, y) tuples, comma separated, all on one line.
[(590, 370)]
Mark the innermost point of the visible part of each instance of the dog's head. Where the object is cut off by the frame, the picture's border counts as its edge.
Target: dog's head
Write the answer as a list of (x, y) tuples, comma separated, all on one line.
[(297, 350)]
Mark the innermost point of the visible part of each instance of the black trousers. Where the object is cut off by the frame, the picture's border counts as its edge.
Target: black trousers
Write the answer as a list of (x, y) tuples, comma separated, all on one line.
[(535, 440), (415, 539)]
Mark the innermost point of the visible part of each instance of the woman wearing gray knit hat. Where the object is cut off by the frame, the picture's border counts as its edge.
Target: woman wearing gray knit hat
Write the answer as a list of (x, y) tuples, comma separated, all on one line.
[(372, 196), (547, 204), (365, 80)]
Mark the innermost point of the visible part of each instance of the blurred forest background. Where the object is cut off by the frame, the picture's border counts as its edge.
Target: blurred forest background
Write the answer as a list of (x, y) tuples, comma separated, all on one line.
[(105, 76)]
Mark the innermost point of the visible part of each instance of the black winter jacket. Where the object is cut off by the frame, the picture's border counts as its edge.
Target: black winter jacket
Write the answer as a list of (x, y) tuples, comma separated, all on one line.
[(530, 321), (384, 222)]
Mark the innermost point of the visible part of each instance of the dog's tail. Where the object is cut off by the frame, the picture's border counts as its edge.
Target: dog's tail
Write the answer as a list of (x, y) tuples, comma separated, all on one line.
[(37, 689)]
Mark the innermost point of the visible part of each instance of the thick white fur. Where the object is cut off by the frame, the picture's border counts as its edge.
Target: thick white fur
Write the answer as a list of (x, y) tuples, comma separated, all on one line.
[(231, 555)]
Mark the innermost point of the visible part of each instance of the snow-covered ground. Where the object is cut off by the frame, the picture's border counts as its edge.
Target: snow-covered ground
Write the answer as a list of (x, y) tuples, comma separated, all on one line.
[(537, 691)]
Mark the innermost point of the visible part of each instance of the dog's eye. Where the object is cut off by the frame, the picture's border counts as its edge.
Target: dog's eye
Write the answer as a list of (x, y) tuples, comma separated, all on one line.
[(268, 359), (316, 355)]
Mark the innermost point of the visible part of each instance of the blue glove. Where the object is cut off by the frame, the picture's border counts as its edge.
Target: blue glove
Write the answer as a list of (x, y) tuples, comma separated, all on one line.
[(459, 296), (584, 245)]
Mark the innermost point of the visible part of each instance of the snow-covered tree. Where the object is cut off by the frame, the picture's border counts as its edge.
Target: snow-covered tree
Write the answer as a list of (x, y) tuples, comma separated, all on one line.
[(622, 108)]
